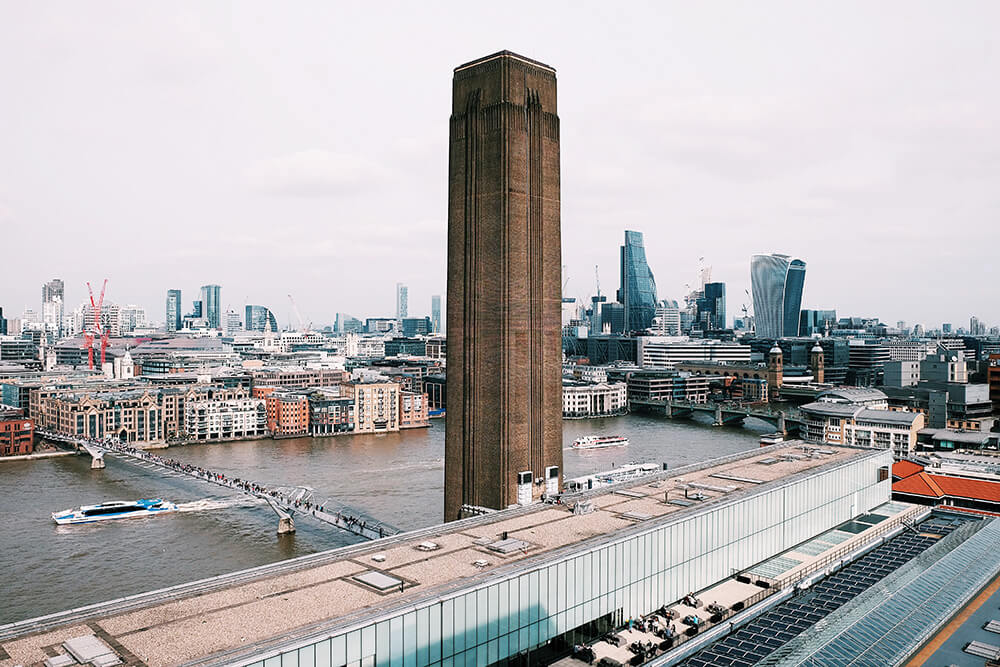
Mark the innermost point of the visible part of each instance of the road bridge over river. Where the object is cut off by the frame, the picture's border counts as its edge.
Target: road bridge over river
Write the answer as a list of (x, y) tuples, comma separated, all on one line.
[(724, 414), (285, 501)]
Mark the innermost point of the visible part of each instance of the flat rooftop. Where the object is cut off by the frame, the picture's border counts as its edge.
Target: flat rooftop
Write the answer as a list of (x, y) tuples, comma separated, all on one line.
[(314, 594)]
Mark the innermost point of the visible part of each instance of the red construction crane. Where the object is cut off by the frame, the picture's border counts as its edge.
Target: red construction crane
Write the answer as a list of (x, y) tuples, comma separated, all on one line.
[(96, 329)]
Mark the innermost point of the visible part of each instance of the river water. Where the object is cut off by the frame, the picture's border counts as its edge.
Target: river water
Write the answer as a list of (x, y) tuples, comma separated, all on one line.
[(397, 478)]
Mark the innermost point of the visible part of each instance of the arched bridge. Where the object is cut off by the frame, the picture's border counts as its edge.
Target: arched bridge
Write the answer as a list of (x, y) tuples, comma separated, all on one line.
[(784, 421)]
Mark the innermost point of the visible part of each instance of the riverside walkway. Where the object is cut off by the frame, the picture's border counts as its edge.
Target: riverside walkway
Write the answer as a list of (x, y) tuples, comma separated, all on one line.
[(285, 501)]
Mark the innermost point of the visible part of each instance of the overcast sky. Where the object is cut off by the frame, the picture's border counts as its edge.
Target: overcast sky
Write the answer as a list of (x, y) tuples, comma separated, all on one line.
[(301, 147)]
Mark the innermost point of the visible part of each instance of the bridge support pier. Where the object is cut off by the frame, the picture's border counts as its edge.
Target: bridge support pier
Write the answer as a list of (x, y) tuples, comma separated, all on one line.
[(719, 421), (286, 525), (97, 463), (781, 424)]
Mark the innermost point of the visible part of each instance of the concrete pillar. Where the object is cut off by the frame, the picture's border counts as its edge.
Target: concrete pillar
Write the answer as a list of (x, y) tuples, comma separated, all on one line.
[(286, 525), (718, 415), (97, 463), (781, 424), (668, 409)]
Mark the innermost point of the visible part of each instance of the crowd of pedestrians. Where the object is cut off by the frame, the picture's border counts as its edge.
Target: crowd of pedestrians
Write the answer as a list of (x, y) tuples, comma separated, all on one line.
[(290, 499)]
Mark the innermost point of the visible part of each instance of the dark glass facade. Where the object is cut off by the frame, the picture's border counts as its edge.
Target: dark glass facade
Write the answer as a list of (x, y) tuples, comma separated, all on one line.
[(638, 288), (211, 305), (712, 307)]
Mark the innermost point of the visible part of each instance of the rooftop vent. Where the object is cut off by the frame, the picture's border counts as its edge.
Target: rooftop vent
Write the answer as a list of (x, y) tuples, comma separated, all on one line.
[(427, 546), (508, 546), (636, 516), (378, 580)]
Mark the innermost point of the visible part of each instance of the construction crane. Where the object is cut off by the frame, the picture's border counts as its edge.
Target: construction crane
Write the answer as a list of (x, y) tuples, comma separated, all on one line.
[(565, 280), (597, 279), (96, 329), (302, 323)]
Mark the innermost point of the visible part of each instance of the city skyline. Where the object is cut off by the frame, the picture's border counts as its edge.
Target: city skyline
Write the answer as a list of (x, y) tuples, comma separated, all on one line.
[(747, 153)]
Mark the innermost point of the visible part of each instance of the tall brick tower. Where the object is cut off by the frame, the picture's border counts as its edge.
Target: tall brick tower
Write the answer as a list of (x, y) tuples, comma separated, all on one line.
[(504, 409)]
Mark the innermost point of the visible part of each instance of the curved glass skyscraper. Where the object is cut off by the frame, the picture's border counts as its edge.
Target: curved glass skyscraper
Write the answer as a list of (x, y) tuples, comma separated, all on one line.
[(777, 282), (638, 289)]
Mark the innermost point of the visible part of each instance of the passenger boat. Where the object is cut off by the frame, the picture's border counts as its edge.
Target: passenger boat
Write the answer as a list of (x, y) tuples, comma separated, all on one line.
[(599, 441), (117, 509)]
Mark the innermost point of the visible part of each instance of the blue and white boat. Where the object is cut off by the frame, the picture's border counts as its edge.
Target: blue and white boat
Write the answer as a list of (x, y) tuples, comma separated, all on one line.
[(117, 509)]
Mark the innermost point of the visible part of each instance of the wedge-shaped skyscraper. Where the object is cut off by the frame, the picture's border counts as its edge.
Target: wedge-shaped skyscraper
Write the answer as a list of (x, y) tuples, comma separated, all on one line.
[(777, 282)]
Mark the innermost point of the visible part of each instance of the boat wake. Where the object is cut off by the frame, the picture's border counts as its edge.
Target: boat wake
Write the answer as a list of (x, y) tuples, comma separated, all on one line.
[(209, 504)]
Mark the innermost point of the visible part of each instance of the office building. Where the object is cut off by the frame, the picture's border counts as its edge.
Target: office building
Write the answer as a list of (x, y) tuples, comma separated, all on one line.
[(401, 301), (131, 317), (712, 307), (173, 318), (233, 322), (416, 326), (504, 421), (817, 322), (667, 321), (665, 352), (347, 324), (637, 293), (585, 399), (436, 314), (212, 305), (53, 300), (946, 328), (260, 318), (667, 386), (902, 373), (777, 281)]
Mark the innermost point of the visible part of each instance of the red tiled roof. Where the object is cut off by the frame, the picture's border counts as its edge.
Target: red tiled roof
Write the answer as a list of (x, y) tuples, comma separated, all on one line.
[(938, 486), (903, 469)]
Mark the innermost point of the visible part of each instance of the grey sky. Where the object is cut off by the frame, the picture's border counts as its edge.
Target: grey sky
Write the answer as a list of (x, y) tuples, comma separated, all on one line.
[(301, 148)]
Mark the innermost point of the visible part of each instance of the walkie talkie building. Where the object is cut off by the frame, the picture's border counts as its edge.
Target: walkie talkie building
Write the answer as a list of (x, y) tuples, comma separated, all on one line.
[(777, 282)]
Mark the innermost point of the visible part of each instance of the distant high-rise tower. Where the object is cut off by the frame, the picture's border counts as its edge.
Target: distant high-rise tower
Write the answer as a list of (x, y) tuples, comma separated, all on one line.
[(777, 282), (260, 318), (53, 300), (712, 306), (173, 310), (211, 305), (436, 313), (402, 297), (638, 289), (504, 416)]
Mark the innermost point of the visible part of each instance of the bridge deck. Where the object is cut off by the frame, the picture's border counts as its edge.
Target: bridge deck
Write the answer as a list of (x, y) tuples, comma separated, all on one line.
[(289, 502), (223, 618)]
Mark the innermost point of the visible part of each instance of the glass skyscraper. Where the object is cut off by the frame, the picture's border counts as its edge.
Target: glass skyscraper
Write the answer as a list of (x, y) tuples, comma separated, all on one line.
[(638, 289), (777, 282), (712, 307), (211, 306), (173, 309), (259, 318), (436, 313)]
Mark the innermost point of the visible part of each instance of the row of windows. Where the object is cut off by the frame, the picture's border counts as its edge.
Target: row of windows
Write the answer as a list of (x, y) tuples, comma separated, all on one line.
[(632, 576)]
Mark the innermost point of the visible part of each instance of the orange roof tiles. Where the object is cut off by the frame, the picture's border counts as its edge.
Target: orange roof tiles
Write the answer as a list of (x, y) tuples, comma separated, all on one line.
[(938, 486), (904, 469)]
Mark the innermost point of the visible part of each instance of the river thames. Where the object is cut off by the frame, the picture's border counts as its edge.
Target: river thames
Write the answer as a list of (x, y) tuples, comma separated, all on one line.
[(397, 478)]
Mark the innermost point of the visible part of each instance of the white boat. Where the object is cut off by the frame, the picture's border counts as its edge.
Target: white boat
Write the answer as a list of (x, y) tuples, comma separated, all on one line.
[(599, 441), (117, 509)]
